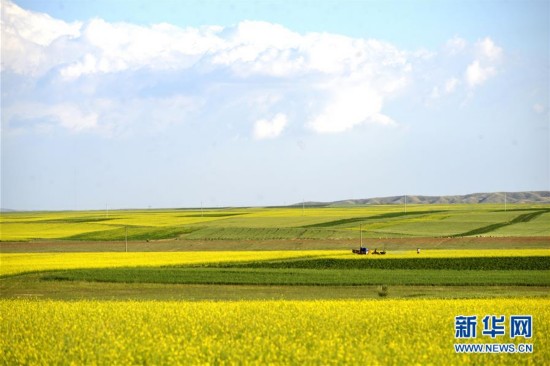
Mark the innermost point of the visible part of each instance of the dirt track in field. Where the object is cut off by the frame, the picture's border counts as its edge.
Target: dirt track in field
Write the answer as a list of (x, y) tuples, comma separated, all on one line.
[(297, 244)]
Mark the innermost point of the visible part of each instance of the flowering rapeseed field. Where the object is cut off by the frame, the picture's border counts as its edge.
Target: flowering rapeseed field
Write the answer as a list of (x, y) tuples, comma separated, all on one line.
[(14, 263), (257, 332)]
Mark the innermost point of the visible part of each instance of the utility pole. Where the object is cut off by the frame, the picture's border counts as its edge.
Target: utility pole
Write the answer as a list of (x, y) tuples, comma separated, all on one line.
[(361, 234), (405, 203), (303, 207), (126, 236)]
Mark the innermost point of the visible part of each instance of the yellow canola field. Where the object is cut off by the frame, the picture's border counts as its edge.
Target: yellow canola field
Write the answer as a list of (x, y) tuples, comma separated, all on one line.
[(374, 332), (29, 231), (24, 230), (14, 263)]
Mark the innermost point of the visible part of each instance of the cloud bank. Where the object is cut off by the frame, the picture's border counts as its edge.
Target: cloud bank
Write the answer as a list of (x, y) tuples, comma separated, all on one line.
[(265, 129), (332, 83)]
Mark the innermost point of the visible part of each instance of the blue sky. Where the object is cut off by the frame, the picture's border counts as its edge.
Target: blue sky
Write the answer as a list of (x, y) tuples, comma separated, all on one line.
[(176, 104)]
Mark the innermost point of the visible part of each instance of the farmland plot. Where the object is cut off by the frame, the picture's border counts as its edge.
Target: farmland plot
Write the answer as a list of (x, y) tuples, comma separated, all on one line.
[(264, 332)]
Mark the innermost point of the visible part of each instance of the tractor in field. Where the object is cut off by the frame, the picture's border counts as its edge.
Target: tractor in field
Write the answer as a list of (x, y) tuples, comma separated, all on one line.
[(363, 250)]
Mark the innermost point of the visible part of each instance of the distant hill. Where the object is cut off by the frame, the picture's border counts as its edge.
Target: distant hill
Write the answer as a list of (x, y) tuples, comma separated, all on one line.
[(511, 197)]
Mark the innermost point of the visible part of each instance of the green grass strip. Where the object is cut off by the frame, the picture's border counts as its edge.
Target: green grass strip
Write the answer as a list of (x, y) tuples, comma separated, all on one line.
[(487, 229), (353, 220), (134, 233), (249, 276)]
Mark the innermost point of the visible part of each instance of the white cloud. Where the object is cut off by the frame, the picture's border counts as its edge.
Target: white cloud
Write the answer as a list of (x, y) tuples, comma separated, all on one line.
[(366, 72), (72, 117), (447, 88), (451, 85), (255, 47), (87, 66), (249, 48), (484, 67), (66, 115), (38, 28), (382, 119), (456, 45), (104, 117), (486, 48), (348, 107), (340, 81), (476, 62), (28, 39), (266, 129), (118, 47), (477, 74)]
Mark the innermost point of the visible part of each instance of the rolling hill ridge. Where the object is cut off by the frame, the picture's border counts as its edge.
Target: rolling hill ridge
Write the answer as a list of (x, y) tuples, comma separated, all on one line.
[(495, 197)]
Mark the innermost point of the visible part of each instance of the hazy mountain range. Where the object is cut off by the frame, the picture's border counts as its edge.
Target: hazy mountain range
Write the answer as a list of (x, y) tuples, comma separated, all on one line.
[(496, 197)]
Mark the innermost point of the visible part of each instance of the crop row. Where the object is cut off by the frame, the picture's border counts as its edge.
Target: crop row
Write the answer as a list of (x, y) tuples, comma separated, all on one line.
[(466, 263)]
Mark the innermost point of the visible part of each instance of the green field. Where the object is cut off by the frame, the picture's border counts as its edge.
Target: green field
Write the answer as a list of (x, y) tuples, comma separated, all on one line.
[(282, 272), (500, 246), (462, 273), (316, 223), (323, 271)]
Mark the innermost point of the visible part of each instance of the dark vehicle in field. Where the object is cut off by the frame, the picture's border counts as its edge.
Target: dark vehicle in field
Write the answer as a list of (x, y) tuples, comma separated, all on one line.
[(363, 250)]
